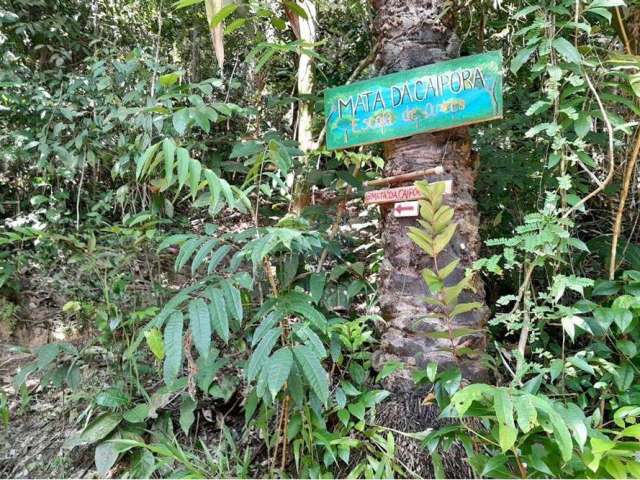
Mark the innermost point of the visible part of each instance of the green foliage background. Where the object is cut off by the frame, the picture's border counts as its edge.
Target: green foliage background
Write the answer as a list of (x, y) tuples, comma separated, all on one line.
[(154, 197)]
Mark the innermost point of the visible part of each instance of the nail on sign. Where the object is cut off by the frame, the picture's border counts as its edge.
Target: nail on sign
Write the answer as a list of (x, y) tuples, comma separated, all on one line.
[(406, 209), (395, 195)]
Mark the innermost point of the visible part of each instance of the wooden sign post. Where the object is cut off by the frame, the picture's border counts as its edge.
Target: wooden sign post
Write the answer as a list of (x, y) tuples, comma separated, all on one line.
[(435, 97)]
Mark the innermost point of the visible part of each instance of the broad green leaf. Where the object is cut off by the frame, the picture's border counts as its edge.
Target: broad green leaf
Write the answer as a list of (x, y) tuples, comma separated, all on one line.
[(432, 280), (169, 151), (233, 300), (261, 353), (173, 348), (507, 436), (567, 50), (218, 311), (182, 155), (137, 414), (465, 307), (155, 343), (199, 257), (200, 325), (279, 366), (99, 428), (313, 371), (186, 251), (582, 125), (214, 186), (503, 405), (442, 239), (222, 14), (195, 172), (144, 160), (526, 414), (521, 58), (187, 407), (581, 364), (316, 286), (217, 257), (297, 9), (180, 120), (105, 457), (444, 273)]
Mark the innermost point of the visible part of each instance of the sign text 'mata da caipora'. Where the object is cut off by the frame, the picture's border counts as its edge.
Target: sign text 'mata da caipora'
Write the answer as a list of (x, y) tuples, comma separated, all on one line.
[(435, 97)]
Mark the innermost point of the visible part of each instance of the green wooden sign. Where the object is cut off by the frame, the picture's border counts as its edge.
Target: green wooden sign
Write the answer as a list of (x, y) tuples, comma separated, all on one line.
[(435, 97)]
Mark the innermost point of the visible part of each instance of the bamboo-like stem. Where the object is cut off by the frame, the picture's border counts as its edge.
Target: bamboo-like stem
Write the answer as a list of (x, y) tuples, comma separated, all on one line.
[(617, 226), (628, 172)]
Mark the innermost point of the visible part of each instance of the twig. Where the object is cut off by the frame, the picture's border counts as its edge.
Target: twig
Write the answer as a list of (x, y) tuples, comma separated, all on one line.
[(405, 177), (628, 175), (611, 155)]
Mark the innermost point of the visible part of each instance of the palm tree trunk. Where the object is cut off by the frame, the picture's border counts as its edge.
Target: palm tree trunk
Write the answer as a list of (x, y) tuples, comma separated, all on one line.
[(412, 35)]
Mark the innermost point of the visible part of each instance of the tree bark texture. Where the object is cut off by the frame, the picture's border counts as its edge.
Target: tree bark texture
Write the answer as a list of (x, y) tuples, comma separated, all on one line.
[(412, 35)]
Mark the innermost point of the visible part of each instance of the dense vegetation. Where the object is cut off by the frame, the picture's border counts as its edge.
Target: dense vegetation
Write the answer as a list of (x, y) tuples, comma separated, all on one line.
[(206, 272)]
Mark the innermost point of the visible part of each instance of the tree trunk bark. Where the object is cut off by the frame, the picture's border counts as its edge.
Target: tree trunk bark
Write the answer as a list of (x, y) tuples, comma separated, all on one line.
[(412, 34)]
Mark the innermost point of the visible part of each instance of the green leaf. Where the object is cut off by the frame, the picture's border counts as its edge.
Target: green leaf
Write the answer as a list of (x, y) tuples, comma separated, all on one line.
[(99, 428), (219, 316), (187, 407), (507, 436), (432, 280), (180, 120), (182, 155), (527, 415), (567, 50), (173, 347), (223, 13), (503, 405), (112, 398), (137, 414), (186, 3), (297, 9), (521, 58), (202, 254), (465, 307), (261, 353), (316, 286), (581, 364), (200, 325), (169, 79), (443, 239), (246, 149), (105, 457), (233, 300), (195, 172), (279, 366), (186, 250), (313, 371), (47, 354), (144, 159), (582, 125), (169, 151), (155, 342), (444, 273)]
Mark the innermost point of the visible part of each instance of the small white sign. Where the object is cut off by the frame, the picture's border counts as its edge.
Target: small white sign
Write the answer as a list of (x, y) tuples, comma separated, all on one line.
[(406, 209)]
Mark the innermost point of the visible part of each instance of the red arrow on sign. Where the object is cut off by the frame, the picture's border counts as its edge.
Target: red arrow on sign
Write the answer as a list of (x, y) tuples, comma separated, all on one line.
[(406, 209), (401, 208)]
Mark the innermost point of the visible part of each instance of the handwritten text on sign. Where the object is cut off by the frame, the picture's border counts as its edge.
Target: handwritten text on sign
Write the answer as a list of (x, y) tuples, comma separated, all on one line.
[(435, 97), (394, 195)]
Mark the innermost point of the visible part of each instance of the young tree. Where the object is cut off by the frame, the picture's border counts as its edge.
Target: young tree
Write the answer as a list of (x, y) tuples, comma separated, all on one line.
[(413, 33)]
